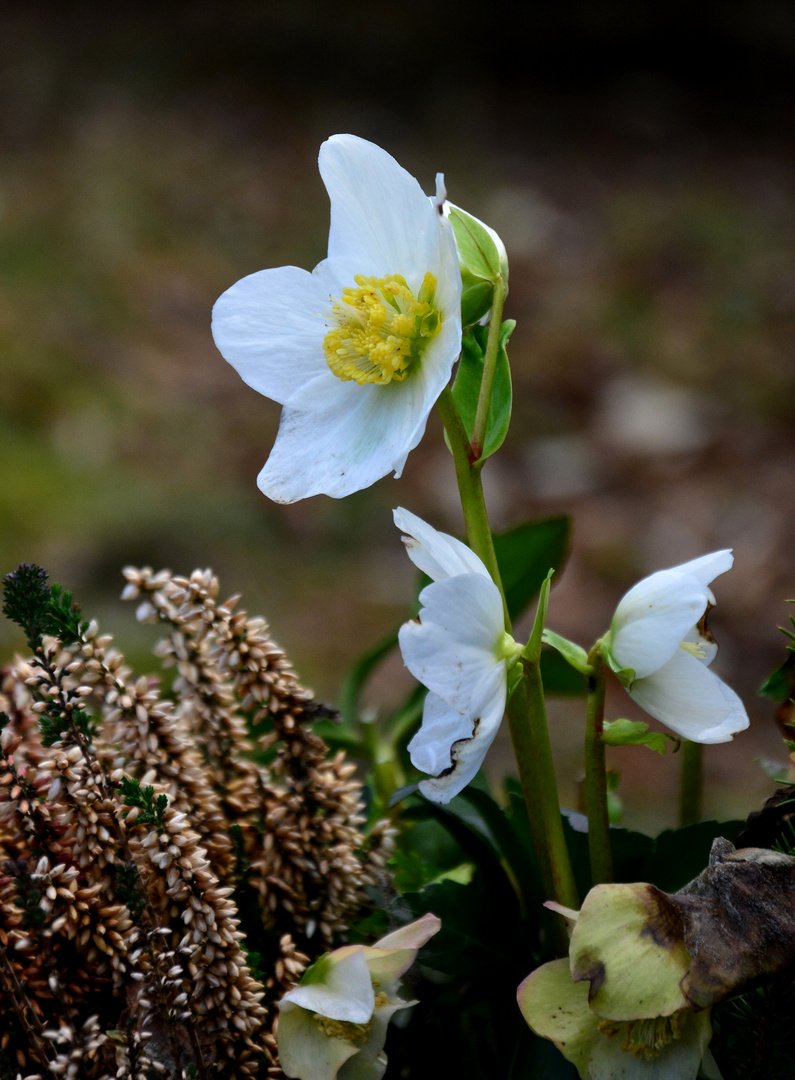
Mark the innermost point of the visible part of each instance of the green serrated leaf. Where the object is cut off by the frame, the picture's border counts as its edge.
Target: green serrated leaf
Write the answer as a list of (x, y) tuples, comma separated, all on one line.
[(635, 733), (525, 555), (477, 250)]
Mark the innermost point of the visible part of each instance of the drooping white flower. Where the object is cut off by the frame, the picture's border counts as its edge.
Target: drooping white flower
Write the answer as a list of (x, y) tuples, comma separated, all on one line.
[(334, 1023), (359, 350), (459, 649), (660, 647)]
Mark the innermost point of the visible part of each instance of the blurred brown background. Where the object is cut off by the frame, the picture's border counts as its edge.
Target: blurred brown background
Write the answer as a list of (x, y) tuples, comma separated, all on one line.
[(639, 166)]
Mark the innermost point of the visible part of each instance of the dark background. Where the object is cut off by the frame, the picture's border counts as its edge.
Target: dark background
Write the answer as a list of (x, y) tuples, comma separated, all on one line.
[(637, 161)]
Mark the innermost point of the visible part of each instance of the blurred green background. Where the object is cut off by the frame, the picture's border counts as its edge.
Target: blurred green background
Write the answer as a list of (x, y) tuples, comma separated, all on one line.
[(639, 167)]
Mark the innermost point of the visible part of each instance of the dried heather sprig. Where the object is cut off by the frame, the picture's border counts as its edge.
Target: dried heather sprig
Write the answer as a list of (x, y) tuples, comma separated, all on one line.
[(135, 837)]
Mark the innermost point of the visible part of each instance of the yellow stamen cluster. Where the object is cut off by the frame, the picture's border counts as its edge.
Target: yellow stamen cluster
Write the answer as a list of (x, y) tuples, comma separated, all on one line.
[(646, 1038), (381, 329), (356, 1034), (694, 649)]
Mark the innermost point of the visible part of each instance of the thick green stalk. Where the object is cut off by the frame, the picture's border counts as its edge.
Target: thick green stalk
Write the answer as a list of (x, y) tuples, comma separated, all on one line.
[(596, 779), (489, 369), (692, 781), (527, 722), (470, 489), (526, 710)]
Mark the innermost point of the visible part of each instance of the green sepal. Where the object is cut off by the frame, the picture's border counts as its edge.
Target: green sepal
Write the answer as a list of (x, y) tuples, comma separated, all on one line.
[(626, 676), (573, 654), (476, 300), (466, 388), (532, 651), (636, 733), (477, 251)]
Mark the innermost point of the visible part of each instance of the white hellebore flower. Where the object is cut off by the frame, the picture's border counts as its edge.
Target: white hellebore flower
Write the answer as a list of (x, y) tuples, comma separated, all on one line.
[(459, 649), (333, 1024), (359, 350), (660, 647)]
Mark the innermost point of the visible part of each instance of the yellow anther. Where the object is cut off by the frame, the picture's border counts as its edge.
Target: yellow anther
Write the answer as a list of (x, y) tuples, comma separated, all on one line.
[(379, 330), (694, 649), (646, 1038)]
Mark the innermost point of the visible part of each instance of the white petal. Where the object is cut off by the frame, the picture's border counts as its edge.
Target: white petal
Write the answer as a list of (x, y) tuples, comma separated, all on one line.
[(654, 617), (344, 990), (467, 756), (708, 567), (451, 648), (441, 726), (305, 1053), (689, 699), (411, 936), (381, 220), (436, 553), (339, 437), (270, 327)]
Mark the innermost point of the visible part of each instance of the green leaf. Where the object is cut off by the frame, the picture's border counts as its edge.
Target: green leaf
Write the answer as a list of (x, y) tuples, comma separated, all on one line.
[(477, 250), (476, 300), (575, 655), (780, 686), (466, 388), (635, 733), (356, 679), (525, 555), (679, 855), (533, 648), (559, 677)]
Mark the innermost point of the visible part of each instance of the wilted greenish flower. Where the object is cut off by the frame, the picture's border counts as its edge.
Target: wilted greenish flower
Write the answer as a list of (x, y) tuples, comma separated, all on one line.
[(333, 1024), (615, 1008)]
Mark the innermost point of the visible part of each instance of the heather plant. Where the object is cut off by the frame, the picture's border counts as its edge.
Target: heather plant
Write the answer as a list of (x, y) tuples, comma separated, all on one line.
[(224, 877)]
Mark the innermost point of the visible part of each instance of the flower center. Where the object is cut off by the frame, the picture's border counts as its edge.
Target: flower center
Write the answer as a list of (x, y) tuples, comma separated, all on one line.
[(380, 329), (355, 1034), (646, 1038)]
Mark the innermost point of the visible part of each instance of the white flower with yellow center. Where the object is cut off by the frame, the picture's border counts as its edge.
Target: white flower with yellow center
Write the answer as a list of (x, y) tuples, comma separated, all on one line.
[(334, 1023), (660, 647), (359, 350), (459, 649)]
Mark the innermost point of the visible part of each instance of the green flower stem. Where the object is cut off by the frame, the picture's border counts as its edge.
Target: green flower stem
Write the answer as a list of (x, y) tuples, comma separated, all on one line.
[(470, 489), (692, 781), (489, 369), (527, 722), (596, 778)]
